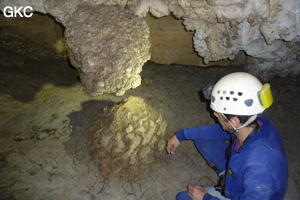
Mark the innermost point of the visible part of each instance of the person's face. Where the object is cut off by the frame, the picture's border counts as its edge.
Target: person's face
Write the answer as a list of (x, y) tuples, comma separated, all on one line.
[(224, 122)]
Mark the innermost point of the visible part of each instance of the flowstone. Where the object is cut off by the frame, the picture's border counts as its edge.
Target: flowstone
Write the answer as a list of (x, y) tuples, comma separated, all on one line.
[(109, 45), (126, 136)]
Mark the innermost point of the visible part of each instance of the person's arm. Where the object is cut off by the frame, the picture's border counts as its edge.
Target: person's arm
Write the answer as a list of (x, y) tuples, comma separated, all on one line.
[(211, 132)]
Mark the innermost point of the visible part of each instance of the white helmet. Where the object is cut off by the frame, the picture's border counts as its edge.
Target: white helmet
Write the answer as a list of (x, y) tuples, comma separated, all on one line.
[(240, 93)]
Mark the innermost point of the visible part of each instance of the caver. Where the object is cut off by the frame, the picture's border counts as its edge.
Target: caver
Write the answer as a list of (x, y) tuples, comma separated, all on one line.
[(244, 147)]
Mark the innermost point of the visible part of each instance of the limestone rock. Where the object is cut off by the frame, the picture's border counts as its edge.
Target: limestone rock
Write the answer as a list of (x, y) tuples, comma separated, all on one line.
[(215, 45), (282, 22), (268, 69), (109, 46), (222, 29), (158, 8), (126, 136), (61, 10)]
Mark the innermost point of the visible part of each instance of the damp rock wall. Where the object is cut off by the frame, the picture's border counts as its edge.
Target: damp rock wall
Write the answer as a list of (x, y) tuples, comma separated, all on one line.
[(268, 31), (126, 136)]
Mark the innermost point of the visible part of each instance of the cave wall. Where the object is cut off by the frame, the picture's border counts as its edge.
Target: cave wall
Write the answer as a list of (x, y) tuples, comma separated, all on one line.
[(39, 29), (36, 38), (171, 43), (267, 31)]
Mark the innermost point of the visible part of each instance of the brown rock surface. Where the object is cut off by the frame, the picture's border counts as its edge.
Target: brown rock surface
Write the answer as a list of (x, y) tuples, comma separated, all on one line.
[(39, 29), (171, 43)]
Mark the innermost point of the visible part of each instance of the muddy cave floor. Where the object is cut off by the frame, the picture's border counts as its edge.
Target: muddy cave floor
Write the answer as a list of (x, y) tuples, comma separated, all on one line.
[(45, 112)]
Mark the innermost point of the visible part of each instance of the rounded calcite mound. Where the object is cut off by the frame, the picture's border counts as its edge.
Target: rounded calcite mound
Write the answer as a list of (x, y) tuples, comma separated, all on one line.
[(109, 46), (126, 136)]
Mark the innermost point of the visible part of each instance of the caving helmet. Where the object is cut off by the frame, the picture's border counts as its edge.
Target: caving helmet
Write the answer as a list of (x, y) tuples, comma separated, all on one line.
[(239, 93)]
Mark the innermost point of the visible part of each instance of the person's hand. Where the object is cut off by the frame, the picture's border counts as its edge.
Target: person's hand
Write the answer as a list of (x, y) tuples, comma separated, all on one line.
[(196, 192), (172, 145)]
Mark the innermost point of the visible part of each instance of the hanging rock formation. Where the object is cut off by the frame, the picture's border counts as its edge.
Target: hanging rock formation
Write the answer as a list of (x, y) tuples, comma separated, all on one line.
[(259, 28), (109, 46), (268, 31), (126, 136), (108, 43)]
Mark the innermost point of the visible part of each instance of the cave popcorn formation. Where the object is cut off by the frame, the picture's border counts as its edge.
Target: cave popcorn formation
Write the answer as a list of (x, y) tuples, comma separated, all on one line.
[(109, 46), (127, 136)]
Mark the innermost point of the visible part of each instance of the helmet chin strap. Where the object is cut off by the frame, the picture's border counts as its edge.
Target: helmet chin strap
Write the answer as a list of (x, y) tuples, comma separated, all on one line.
[(236, 129)]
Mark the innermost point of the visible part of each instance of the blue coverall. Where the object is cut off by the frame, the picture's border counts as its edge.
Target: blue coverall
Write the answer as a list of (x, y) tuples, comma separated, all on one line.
[(257, 170)]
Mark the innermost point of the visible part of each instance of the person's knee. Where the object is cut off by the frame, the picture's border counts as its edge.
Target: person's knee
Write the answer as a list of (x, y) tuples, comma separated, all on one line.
[(183, 196)]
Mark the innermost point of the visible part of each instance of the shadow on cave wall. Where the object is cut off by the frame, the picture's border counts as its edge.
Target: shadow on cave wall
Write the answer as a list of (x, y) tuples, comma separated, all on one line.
[(22, 78), (28, 60)]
